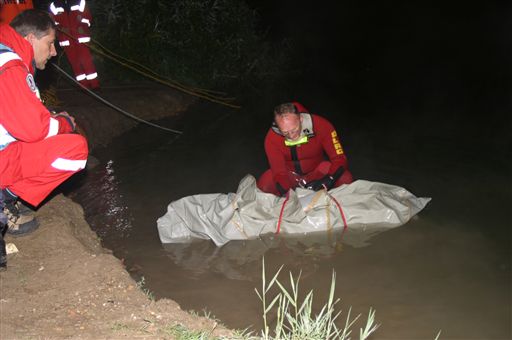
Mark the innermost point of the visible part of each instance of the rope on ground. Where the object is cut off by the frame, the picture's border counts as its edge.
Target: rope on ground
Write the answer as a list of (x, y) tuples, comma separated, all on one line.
[(114, 106), (116, 57), (165, 82), (200, 93)]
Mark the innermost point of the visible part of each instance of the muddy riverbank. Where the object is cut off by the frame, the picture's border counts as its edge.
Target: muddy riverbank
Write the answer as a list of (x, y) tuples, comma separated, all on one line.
[(61, 283)]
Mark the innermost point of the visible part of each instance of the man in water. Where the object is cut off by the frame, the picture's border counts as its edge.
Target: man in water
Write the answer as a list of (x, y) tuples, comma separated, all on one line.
[(303, 150)]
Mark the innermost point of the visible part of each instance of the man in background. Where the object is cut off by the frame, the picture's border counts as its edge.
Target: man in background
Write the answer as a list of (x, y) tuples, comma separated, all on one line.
[(73, 21)]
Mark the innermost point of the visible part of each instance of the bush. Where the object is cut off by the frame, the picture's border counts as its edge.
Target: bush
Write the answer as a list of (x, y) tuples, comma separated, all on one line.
[(196, 42)]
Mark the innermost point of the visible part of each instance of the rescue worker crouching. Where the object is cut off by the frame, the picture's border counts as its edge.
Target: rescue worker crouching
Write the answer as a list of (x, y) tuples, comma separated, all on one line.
[(303, 150), (38, 150)]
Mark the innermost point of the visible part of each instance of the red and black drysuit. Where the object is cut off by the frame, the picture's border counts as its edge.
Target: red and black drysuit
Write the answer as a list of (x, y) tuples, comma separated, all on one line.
[(73, 20), (38, 150), (318, 162)]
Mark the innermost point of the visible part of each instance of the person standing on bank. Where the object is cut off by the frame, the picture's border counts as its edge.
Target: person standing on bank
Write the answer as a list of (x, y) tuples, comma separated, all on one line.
[(303, 150), (73, 19), (38, 149)]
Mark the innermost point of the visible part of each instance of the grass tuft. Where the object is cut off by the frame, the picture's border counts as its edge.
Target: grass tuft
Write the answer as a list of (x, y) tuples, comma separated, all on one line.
[(141, 285), (295, 319)]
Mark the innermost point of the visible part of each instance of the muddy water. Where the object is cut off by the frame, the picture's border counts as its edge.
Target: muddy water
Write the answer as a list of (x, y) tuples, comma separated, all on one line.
[(448, 269)]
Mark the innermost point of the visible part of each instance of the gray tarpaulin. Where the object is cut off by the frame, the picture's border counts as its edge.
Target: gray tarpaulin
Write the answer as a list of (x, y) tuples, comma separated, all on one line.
[(249, 213)]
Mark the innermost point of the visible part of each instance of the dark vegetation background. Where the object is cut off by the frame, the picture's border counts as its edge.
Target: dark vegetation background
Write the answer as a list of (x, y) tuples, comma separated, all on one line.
[(439, 64), (200, 44)]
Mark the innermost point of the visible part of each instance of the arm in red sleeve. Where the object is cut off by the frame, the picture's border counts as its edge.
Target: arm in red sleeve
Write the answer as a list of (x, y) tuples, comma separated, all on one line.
[(333, 148), (22, 114)]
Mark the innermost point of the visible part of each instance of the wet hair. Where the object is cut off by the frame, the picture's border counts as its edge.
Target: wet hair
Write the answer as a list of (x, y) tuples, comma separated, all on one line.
[(33, 21), (285, 108)]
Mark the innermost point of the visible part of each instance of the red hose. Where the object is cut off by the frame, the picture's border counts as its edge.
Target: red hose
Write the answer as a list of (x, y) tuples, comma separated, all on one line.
[(281, 213), (340, 209), (341, 212)]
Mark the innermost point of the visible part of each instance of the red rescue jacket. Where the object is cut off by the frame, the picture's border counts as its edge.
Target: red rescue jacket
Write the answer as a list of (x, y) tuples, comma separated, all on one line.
[(323, 144), (73, 19), (22, 115)]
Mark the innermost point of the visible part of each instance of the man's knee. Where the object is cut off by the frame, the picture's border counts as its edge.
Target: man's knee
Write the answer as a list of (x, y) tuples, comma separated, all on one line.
[(68, 152), (74, 146), (346, 178), (266, 183)]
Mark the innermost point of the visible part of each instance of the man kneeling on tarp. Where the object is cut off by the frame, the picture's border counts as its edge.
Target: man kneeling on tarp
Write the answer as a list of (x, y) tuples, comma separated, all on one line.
[(303, 150)]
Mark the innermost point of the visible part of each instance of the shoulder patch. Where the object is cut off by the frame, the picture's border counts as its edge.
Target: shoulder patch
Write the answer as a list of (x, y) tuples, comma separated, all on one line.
[(31, 83)]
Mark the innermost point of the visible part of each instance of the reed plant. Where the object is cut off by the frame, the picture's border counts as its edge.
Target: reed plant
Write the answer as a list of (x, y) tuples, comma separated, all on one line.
[(295, 319)]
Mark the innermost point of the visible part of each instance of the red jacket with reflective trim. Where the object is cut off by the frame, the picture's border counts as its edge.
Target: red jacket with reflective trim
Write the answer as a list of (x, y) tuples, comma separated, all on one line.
[(73, 19), (22, 115), (304, 158)]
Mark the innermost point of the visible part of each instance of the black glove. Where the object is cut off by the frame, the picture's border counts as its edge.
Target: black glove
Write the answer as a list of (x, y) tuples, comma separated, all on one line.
[(326, 181)]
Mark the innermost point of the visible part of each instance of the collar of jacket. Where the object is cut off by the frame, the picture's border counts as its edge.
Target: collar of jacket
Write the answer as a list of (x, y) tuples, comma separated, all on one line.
[(13, 40), (302, 140)]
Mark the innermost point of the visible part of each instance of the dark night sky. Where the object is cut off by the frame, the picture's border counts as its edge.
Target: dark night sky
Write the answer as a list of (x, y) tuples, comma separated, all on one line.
[(371, 31), (438, 55), (408, 33)]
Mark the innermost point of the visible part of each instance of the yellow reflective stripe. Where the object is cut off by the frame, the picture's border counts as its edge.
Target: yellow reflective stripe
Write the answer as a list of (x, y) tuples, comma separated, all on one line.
[(336, 143), (297, 142)]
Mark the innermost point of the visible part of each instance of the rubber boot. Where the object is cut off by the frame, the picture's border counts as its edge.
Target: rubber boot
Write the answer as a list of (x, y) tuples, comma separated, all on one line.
[(3, 251), (18, 224), (3, 228)]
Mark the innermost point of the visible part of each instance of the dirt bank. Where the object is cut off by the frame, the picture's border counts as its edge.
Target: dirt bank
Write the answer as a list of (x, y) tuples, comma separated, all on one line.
[(62, 284), (108, 116)]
